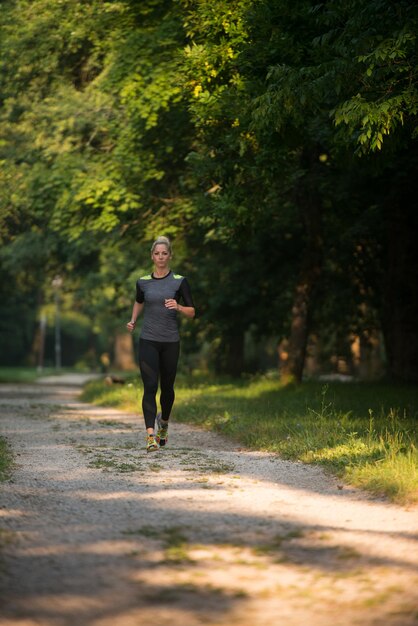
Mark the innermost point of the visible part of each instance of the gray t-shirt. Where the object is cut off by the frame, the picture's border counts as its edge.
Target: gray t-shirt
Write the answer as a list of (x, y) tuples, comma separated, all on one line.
[(160, 323)]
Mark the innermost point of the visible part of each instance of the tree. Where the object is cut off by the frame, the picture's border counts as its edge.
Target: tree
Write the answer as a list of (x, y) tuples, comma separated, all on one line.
[(94, 132), (272, 140)]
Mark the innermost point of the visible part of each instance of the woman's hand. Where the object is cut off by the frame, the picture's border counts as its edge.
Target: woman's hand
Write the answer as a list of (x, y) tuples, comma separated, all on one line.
[(170, 303), (188, 311), (131, 325)]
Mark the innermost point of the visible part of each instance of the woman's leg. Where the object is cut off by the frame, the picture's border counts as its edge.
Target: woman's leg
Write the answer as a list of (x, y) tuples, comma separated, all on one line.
[(149, 364), (169, 357)]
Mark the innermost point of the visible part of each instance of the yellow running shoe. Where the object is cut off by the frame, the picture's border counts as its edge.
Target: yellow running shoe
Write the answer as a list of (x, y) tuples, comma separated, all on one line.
[(162, 432), (152, 443)]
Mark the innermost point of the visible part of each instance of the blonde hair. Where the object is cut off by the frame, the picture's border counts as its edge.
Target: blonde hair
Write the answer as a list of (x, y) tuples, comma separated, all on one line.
[(163, 240)]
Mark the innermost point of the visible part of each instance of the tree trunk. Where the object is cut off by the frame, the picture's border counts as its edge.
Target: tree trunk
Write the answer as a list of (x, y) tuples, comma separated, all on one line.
[(292, 369), (400, 309), (230, 354), (235, 355), (124, 353), (309, 203)]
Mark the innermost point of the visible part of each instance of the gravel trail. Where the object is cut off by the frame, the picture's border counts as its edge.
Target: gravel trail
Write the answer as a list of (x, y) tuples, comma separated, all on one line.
[(95, 532)]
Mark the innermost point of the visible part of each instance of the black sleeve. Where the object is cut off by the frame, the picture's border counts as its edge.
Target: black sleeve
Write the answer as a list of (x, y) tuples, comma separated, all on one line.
[(139, 293), (185, 293)]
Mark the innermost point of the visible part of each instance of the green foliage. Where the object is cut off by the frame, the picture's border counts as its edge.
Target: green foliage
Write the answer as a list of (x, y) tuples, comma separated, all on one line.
[(385, 72), (87, 120), (216, 124)]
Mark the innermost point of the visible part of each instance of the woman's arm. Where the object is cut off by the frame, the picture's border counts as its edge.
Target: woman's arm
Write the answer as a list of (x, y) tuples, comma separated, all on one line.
[(188, 311), (137, 310), (188, 308), (185, 293)]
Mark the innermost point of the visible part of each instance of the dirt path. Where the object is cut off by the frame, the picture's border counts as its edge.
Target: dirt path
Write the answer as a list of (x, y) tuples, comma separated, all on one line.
[(96, 532)]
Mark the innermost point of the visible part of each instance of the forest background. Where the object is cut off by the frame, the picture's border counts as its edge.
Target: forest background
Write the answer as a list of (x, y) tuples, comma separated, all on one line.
[(275, 142)]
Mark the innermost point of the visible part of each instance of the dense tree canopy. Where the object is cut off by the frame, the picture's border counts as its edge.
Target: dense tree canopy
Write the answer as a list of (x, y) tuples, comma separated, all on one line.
[(274, 141)]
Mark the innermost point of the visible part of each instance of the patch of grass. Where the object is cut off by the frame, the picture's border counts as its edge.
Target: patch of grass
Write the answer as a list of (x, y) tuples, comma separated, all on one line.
[(125, 397), (128, 467), (130, 445), (155, 467), (175, 543), (101, 462), (147, 531), (116, 423), (212, 466), (394, 475), (6, 459), (177, 554), (377, 600), (25, 374), (181, 592), (7, 537), (347, 552), (276, 542), (366, 433)]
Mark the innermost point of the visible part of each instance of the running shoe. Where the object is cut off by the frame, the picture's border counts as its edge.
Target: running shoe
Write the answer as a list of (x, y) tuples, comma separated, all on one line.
[(151, 443), (162, 432)]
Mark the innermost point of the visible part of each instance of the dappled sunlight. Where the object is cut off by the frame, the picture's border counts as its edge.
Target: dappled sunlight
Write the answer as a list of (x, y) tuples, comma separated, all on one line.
[(67, 603), (104, 496), (199, 509), (219, 582), (276, 144), (93, 412), (208, 533), (11, 513), (110, 548)]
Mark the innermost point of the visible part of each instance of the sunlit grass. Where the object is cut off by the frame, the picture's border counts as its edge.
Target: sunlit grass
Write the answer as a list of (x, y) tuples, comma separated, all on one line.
[(126, 397), (366, 433), (395, 474)]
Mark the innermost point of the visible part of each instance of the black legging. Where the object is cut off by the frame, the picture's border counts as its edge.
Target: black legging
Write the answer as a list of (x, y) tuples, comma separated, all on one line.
[(158, 359)]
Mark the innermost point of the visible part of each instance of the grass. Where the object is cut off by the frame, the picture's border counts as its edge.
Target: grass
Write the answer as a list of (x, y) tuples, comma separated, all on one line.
[(27, 374), (6, 459), (366, 433), (175, 543), (18, 374)]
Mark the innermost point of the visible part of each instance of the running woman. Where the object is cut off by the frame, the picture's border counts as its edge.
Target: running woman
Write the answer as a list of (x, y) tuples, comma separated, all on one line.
[(159, 295)]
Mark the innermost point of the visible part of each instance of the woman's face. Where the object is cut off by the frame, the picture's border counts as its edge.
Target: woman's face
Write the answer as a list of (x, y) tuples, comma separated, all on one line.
[(161, 256)]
